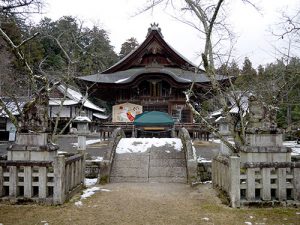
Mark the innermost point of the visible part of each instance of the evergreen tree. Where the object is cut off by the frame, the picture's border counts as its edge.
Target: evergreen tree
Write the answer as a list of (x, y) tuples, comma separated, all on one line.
[(247, 69), (129, 45)]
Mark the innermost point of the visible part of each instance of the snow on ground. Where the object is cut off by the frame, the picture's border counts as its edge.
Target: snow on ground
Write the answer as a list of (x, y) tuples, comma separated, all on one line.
[(86, 194), (217, 141), (90, 182), (205, 218), (138, 145), (90, 191), (294, 146), (95, 159), (203, 160), (88, 142)]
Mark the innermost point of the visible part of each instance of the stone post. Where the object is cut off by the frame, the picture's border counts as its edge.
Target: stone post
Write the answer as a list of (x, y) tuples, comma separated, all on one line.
[(13, 179), (296, 182), (1, 181), (234, 171), (59, 180), (27, 181)]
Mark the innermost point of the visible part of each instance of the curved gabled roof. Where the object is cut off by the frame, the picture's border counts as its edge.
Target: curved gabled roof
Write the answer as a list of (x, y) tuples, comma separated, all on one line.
[(127, 76), (154, 36)]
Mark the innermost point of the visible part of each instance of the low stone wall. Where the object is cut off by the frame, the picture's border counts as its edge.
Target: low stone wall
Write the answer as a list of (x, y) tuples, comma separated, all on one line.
[(50, 182), (257, 182), (190, 155)]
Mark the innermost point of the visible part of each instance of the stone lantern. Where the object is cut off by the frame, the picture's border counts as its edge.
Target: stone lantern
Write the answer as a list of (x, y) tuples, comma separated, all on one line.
[(83, 129), (224, 130)]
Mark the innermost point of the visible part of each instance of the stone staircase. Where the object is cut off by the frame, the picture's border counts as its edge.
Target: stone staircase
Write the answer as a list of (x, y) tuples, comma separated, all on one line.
[(157, 164)]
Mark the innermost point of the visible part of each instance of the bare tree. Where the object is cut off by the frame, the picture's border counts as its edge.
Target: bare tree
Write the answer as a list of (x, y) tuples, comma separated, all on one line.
[(210, 15)]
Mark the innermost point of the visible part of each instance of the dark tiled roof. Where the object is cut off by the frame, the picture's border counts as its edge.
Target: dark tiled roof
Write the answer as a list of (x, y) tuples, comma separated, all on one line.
[(127, 76)]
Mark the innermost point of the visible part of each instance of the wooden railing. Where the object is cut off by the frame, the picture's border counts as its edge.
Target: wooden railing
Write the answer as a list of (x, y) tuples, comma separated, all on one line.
[(196, 130)]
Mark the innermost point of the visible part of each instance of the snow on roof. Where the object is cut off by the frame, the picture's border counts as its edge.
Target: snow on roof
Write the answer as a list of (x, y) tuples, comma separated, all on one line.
[(82, 119), (100, 116), (77, 96), (12, 107), (219, 118), (137, 145), (216, 113), (57, 101), (122, 80)]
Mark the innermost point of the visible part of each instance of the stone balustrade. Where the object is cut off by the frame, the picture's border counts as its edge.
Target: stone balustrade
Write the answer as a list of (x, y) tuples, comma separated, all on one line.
[(50, 182), (257, 182)]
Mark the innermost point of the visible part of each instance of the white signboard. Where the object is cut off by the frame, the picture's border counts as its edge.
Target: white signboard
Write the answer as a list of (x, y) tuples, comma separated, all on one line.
[(126, 112)]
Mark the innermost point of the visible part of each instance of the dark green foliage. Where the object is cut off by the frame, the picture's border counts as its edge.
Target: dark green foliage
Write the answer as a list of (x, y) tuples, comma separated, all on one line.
[(129, 45), (66, 39)]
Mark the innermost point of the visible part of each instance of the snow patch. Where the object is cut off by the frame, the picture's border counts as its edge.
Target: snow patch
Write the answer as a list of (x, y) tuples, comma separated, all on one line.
[(89, 192), (205, 218), (203, 160), (139, 145), (82, 119), (88, 142), (217, 141), (78, 203), (90, 182), (294, 146), (105, 190), (248, 223), (122, 80)]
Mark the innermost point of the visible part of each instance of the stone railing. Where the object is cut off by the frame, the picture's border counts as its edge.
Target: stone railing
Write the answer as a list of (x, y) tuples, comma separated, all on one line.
[(50, 182), (190, 155), (257, 182), (106, 164)]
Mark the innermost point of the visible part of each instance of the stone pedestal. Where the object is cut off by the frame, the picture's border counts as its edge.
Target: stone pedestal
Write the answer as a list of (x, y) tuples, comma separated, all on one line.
[(32, 147), (264, 145)]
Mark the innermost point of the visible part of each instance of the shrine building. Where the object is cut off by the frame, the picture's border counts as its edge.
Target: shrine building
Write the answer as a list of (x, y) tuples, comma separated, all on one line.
[(153, 77)]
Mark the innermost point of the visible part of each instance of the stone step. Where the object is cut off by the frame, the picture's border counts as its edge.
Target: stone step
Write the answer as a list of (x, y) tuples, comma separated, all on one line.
[(167, 172), (130, 172), (131, 163), (167, 180), (167, 163), (129, 179), (131, 156), (158, 164), (165, 155)]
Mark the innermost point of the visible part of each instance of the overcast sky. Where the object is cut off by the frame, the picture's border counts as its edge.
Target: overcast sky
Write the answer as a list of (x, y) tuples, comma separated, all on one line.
[(254, 38)]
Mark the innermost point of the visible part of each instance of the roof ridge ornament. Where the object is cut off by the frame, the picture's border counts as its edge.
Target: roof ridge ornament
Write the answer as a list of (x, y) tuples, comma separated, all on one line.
[(154, 26)]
